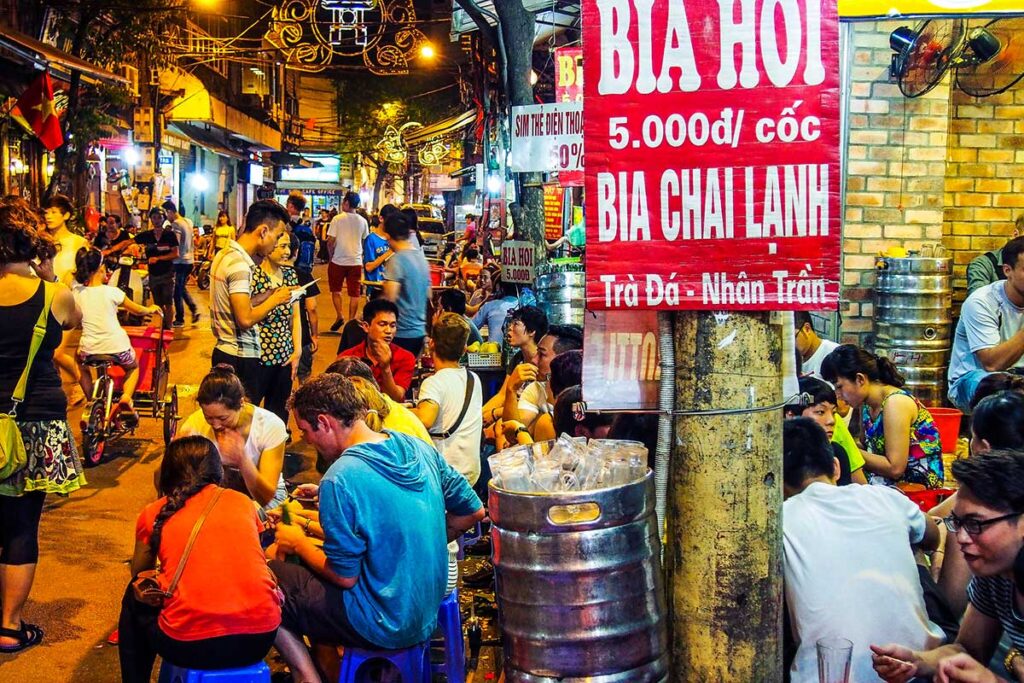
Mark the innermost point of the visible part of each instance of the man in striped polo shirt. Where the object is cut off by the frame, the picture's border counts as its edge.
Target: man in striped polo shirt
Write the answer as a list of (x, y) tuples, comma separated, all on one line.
[(234, 313)]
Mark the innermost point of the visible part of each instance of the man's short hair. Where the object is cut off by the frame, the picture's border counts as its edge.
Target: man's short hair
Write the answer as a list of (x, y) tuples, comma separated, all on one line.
[(1013, 249), (117, 219), (170, 206), (387, 210), (567, 337), (59, 201), (396, 226), (812, 392), (471, 254), (350, 366), (534, 319), (801, 318), (566, 370), (328, 394), (372, 308), (995, 478), (449, 336), (264, 212), (452, 301), (296, 200), (806, 452), (352, 199)]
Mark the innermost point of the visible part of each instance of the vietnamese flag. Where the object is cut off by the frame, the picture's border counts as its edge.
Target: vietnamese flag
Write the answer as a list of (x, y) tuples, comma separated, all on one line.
[(37, 110)]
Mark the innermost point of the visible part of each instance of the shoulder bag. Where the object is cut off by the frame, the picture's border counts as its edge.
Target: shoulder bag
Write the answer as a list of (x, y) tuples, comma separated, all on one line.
[(146, 586), (13, 456), (446, 434)]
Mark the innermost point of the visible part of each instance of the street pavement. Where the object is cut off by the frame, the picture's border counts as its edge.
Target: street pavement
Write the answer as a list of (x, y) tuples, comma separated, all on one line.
[(87, 538)]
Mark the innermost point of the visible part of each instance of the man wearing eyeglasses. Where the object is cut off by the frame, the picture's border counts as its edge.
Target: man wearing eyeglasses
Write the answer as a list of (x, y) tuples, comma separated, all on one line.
[(848, 562), (987, 522)]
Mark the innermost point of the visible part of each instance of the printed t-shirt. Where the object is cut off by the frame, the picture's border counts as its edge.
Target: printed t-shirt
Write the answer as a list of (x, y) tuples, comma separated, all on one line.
[(447, 389), (276, 342), (226, 587), (373, 247), (158, 247), (101, 331), (348, 231), (231, 273), (403, 363)]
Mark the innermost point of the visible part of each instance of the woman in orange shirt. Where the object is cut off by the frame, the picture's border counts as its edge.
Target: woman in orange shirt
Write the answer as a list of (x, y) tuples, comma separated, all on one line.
[(225, 609)]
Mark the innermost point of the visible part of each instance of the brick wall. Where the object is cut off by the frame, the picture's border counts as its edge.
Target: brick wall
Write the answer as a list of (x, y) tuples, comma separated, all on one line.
[(896, 171), (946, 167)]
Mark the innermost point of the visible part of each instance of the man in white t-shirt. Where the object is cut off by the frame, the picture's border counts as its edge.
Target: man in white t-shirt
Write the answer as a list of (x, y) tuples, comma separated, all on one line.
[(990, 335), (455, 423), (345, 238), (849, 568), (811, 347)]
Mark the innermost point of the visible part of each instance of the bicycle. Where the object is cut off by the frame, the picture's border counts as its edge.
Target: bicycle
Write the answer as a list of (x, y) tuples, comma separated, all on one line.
[(104, 422)]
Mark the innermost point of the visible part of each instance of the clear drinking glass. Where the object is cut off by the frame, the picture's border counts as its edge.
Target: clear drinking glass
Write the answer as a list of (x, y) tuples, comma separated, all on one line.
[(834, 655)]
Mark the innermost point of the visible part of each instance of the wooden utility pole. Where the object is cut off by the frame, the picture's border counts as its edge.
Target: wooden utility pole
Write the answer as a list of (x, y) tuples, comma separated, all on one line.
[(723, 555)]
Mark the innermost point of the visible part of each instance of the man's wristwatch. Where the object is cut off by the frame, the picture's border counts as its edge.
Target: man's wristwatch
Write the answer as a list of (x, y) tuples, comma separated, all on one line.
[(1010, 656)]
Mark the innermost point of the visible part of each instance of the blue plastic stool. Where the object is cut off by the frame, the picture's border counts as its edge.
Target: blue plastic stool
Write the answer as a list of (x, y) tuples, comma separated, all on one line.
[(469, 538), (255, 673), (450, 621), (413, 663)]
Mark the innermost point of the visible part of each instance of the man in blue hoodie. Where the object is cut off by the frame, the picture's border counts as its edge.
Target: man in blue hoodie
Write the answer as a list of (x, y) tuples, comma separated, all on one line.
[(389, 504)]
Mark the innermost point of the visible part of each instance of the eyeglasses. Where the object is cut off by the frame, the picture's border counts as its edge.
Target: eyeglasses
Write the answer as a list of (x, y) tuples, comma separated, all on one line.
[(974, 527)]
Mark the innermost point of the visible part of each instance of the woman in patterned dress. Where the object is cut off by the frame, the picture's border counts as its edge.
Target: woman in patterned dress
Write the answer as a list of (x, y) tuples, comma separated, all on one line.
[(26, 273), (902, 443), (280, 332)]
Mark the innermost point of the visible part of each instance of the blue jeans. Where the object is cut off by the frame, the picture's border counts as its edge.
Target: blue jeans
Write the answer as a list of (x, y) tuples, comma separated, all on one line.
[(181, 295), (962, 391)]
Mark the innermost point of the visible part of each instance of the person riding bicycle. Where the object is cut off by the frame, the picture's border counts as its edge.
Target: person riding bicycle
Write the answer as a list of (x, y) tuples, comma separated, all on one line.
[(101, 331)]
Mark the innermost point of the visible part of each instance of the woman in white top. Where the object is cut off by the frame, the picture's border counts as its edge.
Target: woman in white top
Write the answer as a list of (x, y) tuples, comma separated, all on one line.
[(101, 331), (250, 439)]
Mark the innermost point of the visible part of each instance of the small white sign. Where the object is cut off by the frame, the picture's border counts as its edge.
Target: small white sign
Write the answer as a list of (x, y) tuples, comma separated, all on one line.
[(517, 262), (547, 137)]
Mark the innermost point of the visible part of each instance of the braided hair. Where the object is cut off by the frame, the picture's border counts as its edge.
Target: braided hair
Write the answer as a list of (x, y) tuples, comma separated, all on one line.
[(190, 464)]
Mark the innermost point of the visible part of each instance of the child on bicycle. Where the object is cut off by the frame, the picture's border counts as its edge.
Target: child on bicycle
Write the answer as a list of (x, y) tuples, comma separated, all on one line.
[(101, 331)]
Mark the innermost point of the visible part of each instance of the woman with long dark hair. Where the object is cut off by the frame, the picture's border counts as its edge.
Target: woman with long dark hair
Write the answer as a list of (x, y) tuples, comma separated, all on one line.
[(224, 610), (27, 287), (902, 442)]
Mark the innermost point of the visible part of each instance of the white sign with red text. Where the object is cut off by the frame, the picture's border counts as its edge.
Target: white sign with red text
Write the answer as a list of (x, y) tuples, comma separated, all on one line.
[(547, 138)]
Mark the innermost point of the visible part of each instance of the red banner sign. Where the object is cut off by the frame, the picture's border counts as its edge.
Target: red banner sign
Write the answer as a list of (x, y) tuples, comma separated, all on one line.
[(712, 148), (568, 74), (554, 208), (621, 363)]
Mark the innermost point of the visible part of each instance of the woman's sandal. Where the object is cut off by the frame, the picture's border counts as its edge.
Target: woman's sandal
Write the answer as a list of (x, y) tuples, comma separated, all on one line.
[(27, 636)]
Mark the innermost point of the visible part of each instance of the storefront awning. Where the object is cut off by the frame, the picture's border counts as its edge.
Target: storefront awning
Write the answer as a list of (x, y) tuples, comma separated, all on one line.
[(205, 138), (44, 56), (449, 125)]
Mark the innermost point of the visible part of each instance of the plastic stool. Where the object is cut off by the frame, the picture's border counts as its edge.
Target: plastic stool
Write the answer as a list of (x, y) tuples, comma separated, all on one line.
[(469, 538), (255, 673), (413, 663), (449, 620)]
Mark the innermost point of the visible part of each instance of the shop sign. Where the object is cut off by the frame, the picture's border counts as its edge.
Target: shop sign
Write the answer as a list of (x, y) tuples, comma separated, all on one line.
[(554, 210), (517, 261), (895, 8), (712, 137), (621, 360), (547, 138), (569, 74)]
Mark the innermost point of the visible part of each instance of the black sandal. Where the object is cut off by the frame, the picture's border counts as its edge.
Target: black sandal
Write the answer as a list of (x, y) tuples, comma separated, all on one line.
[(27, 636)]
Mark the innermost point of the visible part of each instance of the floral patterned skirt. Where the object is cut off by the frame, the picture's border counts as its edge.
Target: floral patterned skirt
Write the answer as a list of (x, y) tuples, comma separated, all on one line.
[(53, 464)]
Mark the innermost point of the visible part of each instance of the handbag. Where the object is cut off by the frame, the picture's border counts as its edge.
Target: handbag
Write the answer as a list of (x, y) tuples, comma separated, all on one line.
[(146, 586), (13, 456)]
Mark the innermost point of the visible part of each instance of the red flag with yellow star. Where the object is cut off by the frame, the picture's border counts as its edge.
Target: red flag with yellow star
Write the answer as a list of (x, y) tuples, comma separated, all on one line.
[(37, 110)]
